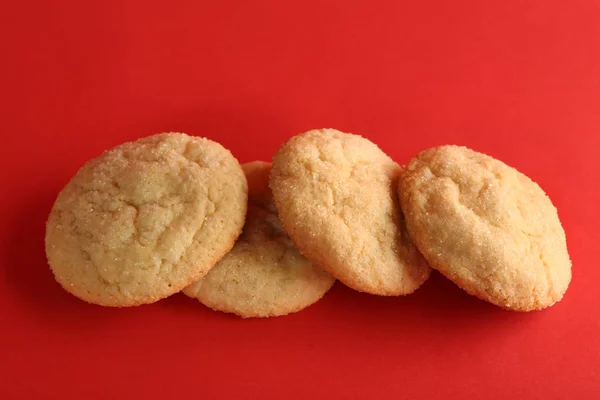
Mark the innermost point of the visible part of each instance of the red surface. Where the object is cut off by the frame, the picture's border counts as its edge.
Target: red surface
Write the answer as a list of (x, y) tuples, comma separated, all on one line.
[(518, 80)]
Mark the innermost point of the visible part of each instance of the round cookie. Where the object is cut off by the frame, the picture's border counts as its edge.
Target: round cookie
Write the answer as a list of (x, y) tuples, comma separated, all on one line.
[(487, 227), (263, 275), (336, 196), (145, 219)]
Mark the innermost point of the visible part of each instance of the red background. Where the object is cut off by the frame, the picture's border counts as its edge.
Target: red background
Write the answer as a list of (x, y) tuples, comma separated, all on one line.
[(519, 80)]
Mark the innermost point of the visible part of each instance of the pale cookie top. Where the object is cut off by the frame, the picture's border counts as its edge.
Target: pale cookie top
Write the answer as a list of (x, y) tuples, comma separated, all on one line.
[(263, 275), (145, 219), (336, 196), (487, 227)]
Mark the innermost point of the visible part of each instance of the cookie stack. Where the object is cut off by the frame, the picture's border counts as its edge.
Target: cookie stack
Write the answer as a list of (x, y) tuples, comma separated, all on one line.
[(172, 212)]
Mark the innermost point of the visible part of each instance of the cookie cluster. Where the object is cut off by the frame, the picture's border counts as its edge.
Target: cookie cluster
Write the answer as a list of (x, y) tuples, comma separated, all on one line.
[(172, 212)]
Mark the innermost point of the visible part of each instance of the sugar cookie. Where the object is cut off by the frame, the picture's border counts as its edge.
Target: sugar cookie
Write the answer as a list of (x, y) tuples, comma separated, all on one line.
[(263, 275), (487, 227), (336, 197), (145, 219)]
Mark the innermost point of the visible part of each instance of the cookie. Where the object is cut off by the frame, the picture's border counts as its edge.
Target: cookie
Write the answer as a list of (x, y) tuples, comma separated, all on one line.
[(487, 227), (145, 219), (263, 275), (336, 197)]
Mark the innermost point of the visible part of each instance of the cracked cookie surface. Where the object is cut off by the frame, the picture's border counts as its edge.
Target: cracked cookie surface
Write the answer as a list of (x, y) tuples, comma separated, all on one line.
[(145, 219), (336, 197), (487, 227), (263, 275)]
